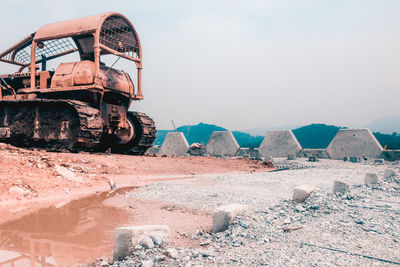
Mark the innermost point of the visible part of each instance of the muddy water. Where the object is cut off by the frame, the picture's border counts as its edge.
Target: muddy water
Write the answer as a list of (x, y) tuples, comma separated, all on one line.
[(75, 232)]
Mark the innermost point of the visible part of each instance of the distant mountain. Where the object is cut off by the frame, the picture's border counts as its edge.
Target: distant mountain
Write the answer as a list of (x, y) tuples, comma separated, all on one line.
[(386, 125), (390, 141)]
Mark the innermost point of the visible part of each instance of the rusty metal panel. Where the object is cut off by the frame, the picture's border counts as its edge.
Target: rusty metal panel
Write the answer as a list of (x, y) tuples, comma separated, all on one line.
[(84, 73), (63, 76)]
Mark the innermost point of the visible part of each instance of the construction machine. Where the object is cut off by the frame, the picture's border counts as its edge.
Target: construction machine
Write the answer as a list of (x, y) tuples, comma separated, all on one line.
[(78, 105)]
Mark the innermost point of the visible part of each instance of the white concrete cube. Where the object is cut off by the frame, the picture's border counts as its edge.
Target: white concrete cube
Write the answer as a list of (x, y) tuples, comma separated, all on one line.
[(340, 187), (389, 173), (224, 216), (125, 238), (371, 178), (301, 192)]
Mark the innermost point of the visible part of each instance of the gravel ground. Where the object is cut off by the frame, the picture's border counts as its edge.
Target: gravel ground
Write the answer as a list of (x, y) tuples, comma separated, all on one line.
[(359, 228), (259, 190)]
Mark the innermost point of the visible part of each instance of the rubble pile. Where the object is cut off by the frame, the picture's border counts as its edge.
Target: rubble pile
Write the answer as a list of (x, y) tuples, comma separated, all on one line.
[(358, 227)]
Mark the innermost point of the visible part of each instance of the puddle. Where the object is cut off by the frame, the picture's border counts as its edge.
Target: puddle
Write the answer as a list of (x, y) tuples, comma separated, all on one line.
[(66, 234)]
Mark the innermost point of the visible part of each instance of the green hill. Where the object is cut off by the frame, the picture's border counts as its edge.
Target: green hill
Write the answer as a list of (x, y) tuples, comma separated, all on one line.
[(391, 141), (316, 135)]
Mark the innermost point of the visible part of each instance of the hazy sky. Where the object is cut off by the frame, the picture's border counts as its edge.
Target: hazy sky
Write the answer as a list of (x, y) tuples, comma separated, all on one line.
[(245, 64)]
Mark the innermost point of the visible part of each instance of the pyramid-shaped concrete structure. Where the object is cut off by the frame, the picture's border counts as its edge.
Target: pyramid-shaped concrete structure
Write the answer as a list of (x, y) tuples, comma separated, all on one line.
[(279, 144), (175, 144), (354, 143), (222, 144)]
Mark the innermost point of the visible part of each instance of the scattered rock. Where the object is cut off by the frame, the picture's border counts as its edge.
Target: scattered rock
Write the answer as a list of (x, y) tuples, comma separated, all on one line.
[(172, 253), (125, 238), (19, 191), (224, 216), (301, 192), (300, 208), (147, 242), (69, 175), (147, 263)]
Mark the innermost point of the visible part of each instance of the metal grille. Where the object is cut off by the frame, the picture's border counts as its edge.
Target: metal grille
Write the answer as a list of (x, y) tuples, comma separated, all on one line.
[(51, 48), (118, 35)]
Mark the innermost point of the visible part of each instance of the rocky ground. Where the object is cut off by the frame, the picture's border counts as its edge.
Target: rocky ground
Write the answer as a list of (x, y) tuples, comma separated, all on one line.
[(358, 228), (33, 179)]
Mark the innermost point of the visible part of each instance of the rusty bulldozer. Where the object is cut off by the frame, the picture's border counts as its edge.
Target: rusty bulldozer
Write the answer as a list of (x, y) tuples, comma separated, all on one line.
[(79, 105)]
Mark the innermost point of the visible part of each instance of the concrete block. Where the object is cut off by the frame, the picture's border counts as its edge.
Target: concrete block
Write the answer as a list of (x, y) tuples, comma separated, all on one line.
[(125, 238), (175, 144), (354, 159), (242, 152), (340, 187), (222, 144), (254, 153), (309, 152), (224, 216), (354, 143), (279, 144), (245, 152), (313, 158), (301, 192), (388, 173), (154, 150), (370, 178)]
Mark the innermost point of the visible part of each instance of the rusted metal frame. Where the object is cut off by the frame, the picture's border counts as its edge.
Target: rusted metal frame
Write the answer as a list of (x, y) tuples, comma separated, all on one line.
[(112, 51), (63, 89), (139, 64), (33, 65), (23, 66), (3, 263), (12, 62), (59, 36), (19, 49), (96, 52), (23, 42)]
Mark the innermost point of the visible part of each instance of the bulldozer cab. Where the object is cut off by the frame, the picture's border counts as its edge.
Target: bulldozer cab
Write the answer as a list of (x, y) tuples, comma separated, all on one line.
[(91, 37)]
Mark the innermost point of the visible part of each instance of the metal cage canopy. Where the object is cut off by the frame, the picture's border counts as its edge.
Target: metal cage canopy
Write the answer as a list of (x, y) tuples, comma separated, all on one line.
[(112, 31)]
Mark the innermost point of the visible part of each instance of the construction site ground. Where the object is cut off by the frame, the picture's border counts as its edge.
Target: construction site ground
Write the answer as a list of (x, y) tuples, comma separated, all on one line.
[(33, 179), (63, 205)]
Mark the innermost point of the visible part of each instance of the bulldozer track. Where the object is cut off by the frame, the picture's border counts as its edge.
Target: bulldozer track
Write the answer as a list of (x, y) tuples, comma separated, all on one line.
[(59, 125), (147, 135), (52, 124)]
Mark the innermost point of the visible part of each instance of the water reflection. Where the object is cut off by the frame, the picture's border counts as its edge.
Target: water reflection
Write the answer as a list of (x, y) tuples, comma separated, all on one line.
[(77, 232)]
